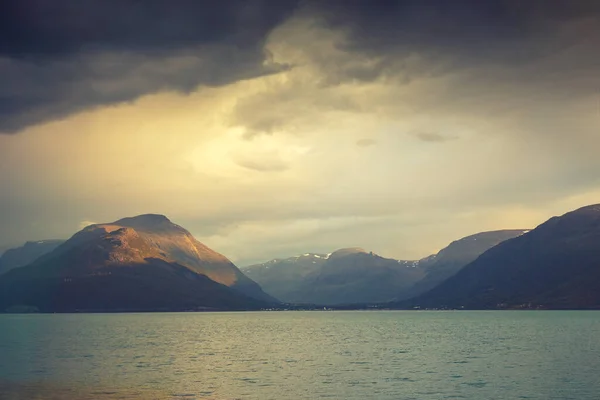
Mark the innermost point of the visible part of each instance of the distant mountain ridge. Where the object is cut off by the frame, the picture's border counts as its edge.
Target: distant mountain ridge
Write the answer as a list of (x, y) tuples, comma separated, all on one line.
[(344, 276), (139, 263), (451, 259), (280, 277), (356, 276), (26, 254), (353, 275), (556, 266)]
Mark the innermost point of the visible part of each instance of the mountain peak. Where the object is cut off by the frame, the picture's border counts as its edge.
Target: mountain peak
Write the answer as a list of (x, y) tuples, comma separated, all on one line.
[(143, 262), (590, 208), (588, 217), (347, 251), (591, 211), (146, 222), (26, 254), (487, 235), (154, 218), (470, 247)]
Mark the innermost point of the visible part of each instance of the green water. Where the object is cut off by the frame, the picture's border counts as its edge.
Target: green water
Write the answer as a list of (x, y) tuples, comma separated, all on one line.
[(302, 355)]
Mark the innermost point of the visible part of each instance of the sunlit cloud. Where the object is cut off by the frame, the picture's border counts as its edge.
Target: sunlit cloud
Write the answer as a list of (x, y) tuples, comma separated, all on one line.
[(389, 145)]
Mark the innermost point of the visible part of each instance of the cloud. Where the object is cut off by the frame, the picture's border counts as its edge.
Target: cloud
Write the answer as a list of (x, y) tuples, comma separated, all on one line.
[(264, 157), (59, 58), (263, 165), (455, 35), (366, 142), (84, 224), (432, 137), (109, 52)]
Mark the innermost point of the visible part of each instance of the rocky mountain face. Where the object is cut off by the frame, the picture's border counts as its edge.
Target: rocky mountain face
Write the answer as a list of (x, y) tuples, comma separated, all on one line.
[(345, 276), (176, 244), (139, 263), (26, 254), (556, 265), (354, 275)]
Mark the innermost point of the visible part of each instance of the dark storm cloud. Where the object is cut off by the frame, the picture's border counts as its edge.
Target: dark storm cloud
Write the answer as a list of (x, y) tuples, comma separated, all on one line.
[(457, 34), (479, 27), (41, 28), (59, 57)]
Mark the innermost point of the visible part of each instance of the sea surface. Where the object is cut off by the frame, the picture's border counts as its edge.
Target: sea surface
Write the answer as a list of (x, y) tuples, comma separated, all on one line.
[(302, 355)]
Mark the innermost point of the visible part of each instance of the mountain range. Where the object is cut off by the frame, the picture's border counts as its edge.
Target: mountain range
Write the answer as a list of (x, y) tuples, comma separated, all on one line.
[(354, 275), (554, 266), (148, 263), (345, 276)]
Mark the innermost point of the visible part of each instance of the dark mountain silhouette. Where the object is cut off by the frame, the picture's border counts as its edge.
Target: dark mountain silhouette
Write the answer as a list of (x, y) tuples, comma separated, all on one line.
[(451, 259), (556, 265), (139, 263), (26, 254)]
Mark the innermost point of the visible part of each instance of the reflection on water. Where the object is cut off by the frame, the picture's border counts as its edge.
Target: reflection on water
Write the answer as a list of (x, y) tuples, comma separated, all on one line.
[(301, 355), (54, 391)]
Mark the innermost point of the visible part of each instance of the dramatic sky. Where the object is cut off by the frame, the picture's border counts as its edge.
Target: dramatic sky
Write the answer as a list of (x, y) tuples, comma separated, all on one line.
[(271, 127)]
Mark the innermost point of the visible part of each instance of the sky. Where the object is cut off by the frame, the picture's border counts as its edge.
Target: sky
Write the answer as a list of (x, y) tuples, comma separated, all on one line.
[(273, 128)]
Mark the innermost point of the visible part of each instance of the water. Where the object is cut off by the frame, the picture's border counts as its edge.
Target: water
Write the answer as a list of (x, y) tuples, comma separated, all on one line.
[(302, 355)]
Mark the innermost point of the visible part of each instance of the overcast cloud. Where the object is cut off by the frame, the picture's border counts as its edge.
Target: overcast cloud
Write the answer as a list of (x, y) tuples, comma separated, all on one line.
[(271, 128)]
